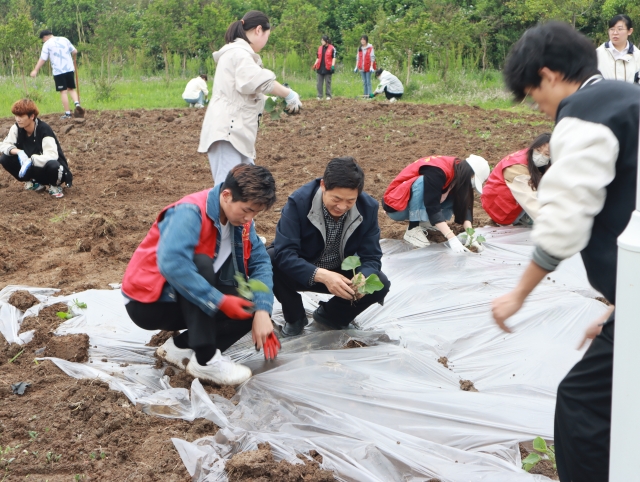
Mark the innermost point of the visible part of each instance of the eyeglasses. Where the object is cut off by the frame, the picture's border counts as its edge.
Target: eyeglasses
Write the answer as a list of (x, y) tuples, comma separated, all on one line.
[(619, 30)]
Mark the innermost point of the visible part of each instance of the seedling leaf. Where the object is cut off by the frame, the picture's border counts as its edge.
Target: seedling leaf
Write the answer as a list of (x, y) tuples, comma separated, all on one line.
[(481, 239), (275, 115), (64, 315), (372, 284), (530, 462), (80, 304), (540, 445), (351, 262), (257, 285), (270, 105)]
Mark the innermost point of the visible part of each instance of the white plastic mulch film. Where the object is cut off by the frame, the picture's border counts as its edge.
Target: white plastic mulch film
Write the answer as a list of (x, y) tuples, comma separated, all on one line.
[(388, 411)]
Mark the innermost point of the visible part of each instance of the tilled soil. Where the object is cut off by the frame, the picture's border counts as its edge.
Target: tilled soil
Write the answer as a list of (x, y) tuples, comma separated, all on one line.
[(259, 466), (127, 166)]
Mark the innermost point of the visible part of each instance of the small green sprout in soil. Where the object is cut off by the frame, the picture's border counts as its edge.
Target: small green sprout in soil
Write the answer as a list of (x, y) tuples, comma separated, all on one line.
[(362, 285), (65, 315), (33, 435), (16, 357), (51, 457), (80, 304), (545, 453)]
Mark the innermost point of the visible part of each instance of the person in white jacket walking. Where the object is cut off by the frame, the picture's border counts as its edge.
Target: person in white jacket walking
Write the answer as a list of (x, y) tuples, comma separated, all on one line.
[(230, 124), (619, 59), (196, 92)]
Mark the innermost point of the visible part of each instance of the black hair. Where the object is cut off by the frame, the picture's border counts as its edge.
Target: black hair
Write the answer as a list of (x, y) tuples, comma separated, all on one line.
[(621, 17), (251, 183), (326, 39), (44, 33), (462, 190), (343, 172), (204, 76), (365, 37), (379, 72), (554, 45), (534, 171), (250, 21)]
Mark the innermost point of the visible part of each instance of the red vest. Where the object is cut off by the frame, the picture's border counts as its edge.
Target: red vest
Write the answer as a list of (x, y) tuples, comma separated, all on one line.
[(328, 58), (142, 279), (497, 199), (398, 193), (364, 60)]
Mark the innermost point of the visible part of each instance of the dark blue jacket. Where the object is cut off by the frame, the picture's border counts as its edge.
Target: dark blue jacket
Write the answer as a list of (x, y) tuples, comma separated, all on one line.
[(300, 234)]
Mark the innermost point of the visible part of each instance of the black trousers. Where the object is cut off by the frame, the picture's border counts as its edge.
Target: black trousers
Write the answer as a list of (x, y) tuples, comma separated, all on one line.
[(48, 174), (338, 309), (582, 432), (391, 95), (204, 334)]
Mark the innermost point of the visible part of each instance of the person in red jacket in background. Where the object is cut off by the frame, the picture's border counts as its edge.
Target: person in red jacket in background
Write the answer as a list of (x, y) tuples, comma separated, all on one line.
[(366, 63), (325, 66), (511, 193), (182, 276)]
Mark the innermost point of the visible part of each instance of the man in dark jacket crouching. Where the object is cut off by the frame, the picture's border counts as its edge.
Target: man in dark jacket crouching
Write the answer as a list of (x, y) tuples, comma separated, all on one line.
[(324, 222)]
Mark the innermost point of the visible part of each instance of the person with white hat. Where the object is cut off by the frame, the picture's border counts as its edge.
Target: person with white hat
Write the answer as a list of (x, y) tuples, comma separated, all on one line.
[(430, 190)]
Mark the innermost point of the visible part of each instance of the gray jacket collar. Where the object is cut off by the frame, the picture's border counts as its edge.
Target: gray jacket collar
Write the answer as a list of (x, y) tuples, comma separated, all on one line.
[(351, 222)]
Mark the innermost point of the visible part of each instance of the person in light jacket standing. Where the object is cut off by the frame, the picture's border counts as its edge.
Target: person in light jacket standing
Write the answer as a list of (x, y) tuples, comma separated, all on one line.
[(325, 66), (365, 63), (230, 124), (619, 59)]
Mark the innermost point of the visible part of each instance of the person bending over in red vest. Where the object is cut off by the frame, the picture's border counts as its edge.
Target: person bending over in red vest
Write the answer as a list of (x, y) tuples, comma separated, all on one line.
[(432, 189), (511, 193), (325, 66), (182, 276)]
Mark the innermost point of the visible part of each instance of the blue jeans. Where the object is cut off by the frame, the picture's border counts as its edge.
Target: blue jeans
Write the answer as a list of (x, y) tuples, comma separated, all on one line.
[(199, 100), (415, 210), (366, 81)]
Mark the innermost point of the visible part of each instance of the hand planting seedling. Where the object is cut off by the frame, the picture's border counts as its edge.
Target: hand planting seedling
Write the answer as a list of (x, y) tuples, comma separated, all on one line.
[(361, 285), (275, 108), (548, 453), (246, 288), (472, 240)]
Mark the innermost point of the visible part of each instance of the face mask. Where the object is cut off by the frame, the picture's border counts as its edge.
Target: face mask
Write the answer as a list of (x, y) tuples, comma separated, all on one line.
[(540, 159)]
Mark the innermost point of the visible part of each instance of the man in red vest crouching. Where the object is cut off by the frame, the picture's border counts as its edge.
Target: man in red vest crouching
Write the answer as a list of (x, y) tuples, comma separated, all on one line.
[(182, 276)]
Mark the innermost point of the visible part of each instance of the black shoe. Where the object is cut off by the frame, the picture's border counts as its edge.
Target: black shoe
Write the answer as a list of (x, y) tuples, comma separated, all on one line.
[(295, 328), (320, 316)]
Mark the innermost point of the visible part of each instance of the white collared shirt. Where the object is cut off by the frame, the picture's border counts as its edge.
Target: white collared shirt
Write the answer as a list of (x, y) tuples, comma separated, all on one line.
[(618, 54)]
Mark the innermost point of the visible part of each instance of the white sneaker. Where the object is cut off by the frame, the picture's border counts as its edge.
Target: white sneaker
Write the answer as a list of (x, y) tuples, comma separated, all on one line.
[(220, 370), (328, 98), (393, 99), (319, 98), (56, 191), (199, 106), (416, 237), (33, 186), (169, 352)]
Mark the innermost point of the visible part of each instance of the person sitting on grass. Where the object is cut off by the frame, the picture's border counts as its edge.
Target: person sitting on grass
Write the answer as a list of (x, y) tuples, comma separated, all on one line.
[(587, 199), (389, 84), (322, 223), (510, 195), (182, 276), (432, 189), (31, 152), (195, 93)]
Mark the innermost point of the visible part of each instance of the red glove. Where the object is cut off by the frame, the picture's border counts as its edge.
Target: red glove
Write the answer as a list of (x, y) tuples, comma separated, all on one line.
[(236, 308), (271, 346)]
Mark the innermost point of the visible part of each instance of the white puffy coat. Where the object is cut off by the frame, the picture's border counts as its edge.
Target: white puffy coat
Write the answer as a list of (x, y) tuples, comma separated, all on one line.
[(626, 68), (237, 99)]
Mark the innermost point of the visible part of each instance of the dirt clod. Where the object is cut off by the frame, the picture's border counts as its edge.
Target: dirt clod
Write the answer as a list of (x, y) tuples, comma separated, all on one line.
[(23, 300), (259, 466), (467, 386), (444, 361), (355, 344), (159, 338), (602, 299), (544, 467), (73, 348)]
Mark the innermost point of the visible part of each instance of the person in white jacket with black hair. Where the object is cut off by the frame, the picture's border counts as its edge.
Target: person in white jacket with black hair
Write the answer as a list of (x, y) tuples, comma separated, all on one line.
[(390, 85), (230, 124), (196, 92), (619, 59)]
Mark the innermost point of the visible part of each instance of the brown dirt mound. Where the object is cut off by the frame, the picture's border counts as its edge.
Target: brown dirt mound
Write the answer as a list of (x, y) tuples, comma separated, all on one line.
[(46, 321), (259, 466), (544, 467), (181, 379), (23, 300), (444, 361), (467, 386), (355, 344), (73, 348), (159, 338), (435, 236)]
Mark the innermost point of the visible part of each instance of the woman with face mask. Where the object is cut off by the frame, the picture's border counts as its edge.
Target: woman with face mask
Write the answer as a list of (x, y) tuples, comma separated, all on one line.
[(510, 195)]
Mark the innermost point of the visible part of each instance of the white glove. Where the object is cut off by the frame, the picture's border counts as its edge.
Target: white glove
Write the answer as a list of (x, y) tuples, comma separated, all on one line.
[(293, 102), (478, 246), (456, 246), (25, 168), (22, 156)]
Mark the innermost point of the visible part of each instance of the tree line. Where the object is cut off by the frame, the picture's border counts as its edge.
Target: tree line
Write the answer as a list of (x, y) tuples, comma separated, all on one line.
[(176, 37)]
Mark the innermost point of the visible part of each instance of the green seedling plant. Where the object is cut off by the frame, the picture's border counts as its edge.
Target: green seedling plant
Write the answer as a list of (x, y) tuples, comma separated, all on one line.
[(247, 288), (275, 108), (473, 237), (548, 453), (51, 457), (65, 315), (80, 304), (33, 435), (362, 285)]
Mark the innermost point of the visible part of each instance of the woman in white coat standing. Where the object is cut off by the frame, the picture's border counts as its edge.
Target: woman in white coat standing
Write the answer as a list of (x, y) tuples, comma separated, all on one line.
[(230, 125), (619, 59)]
